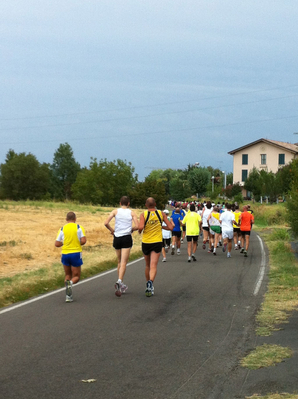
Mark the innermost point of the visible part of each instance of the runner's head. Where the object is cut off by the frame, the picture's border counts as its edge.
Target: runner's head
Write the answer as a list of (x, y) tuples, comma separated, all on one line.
[(150, 203), (124, 201), (192, 207), (71, 217)]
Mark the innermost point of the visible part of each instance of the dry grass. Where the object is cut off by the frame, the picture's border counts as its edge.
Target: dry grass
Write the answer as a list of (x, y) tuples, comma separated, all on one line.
[(28, 234)]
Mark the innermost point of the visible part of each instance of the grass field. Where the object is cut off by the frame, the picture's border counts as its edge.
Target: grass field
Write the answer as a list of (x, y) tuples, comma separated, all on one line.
[(28, 257)]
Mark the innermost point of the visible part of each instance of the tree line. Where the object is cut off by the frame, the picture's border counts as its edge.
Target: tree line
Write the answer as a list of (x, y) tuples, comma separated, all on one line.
[(23, 177)]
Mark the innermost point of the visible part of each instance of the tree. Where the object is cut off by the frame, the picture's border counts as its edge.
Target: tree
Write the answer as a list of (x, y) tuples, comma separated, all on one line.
[(146, 189), (23, 177), (179, 188), (198, 179), (254, 183), (104, 182), (64, 171)]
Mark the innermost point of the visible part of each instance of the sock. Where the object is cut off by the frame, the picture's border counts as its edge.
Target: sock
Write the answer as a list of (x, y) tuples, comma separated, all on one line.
[(119, 281)]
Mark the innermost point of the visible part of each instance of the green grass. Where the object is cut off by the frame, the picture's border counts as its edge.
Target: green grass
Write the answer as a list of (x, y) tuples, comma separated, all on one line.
[(24, 286), (266, 356)]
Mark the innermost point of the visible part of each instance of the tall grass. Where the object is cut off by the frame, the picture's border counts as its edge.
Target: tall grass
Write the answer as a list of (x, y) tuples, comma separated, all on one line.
[(269, 215)]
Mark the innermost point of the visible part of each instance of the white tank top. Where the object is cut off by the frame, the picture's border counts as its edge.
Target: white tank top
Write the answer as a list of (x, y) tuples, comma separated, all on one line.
[(123, 222), (205, 216)]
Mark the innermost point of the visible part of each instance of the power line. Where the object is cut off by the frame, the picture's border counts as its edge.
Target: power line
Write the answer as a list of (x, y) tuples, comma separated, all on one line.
[(146, 116), (149, 105), (156, 132)]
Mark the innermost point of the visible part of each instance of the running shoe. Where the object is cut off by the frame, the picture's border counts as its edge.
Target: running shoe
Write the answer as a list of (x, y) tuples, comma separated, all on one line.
[(181, 241), (220, 243), (189, 259), (178, 252), (69, 298), (239, 243), (236, 248), (209, 251), (166, 249), (229, 255), (204, 244), (123, 288), (164, 259), (224, 248), (149, 287), (173, 251), (241, 250), (193, 258), (245, 253), (214, 253), (68, 285), (118, 291)]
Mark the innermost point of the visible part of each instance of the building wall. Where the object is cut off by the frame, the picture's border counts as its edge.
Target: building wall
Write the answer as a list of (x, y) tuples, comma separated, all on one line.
[(254, 159)]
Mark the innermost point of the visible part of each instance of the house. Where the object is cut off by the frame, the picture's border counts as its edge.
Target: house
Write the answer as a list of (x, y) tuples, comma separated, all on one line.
[(269, 155)]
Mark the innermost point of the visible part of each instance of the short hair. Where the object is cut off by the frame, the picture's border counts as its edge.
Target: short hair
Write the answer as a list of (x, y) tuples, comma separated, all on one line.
[(150, 202), (192, 207), (124, 200), (236, 206), (71, 216), (228, 206), (208, 205)]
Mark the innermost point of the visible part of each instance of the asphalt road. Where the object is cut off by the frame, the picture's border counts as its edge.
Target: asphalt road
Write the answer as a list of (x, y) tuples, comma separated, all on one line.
[(185, 342)]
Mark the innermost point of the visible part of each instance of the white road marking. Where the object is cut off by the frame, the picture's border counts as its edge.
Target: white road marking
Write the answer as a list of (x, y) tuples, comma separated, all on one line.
[(19, 305), (262, 269)]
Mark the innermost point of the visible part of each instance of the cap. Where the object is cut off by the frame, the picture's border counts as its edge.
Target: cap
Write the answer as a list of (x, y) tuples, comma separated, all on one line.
[(166, 211)]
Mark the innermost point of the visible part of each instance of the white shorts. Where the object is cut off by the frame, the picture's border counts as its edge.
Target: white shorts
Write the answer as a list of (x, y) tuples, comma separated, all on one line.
[(227, 234)]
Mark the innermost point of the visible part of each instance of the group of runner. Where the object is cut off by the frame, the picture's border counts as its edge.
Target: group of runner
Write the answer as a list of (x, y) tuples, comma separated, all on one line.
[(219, 224)]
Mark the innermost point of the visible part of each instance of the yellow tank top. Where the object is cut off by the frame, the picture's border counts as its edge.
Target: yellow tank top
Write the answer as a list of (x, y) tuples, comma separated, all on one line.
[(152, 231), (237, 215)]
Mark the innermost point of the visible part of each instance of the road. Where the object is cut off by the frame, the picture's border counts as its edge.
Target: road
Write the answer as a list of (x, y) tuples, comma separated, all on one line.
[(185, 342)]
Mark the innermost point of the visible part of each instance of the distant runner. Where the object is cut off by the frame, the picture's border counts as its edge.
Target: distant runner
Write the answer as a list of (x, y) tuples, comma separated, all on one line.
[(246, 220), (71, 237)]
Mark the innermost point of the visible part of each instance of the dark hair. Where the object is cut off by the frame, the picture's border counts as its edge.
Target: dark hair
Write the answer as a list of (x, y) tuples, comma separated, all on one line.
[(228, 206), (71, 216), (124, 200), (192, 207), (208, 204)]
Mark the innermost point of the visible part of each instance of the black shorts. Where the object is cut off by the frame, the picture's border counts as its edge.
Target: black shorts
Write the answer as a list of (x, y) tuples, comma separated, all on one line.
[(166, 242), (245, 233), (236, 229), (206, 229), (183, 228), (152, 247), (176, 234), (192, 238), (123, 242)]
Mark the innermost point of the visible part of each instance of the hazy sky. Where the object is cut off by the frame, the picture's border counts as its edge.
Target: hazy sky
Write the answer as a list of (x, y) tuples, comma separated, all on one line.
[(162, 84)]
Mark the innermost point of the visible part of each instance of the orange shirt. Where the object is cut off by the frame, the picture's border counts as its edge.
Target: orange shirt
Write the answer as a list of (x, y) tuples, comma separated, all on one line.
[(246, 221)]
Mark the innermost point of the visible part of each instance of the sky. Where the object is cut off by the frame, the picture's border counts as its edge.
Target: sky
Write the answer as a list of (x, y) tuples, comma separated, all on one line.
[(158, 83)]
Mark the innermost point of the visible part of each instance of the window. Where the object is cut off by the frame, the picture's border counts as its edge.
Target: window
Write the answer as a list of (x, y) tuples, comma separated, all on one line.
[(244, 174), (263, 159), (281, 159), (244, 159)]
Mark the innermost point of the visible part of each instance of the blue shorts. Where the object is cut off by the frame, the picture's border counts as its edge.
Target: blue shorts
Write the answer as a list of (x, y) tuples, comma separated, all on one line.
[(74, 259)]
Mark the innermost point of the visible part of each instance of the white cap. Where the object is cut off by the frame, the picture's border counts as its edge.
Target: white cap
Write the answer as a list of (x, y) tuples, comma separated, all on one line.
[(166, 211)]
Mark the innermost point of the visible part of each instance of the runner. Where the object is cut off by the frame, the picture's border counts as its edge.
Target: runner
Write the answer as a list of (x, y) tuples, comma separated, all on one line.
[(227, 219), (166, 238), (71, 237), (206, 229), (236, 228), (215, 229), (246, 221), (151, 225), (122, 238), (176, 234), (193, 223)]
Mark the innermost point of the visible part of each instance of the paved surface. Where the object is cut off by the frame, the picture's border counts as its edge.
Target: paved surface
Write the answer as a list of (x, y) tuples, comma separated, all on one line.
[(185, 342)]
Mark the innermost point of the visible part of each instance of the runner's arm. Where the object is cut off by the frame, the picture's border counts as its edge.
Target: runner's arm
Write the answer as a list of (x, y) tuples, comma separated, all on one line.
[(135, 220), (141, 223), (170, 225), (107, 221)]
